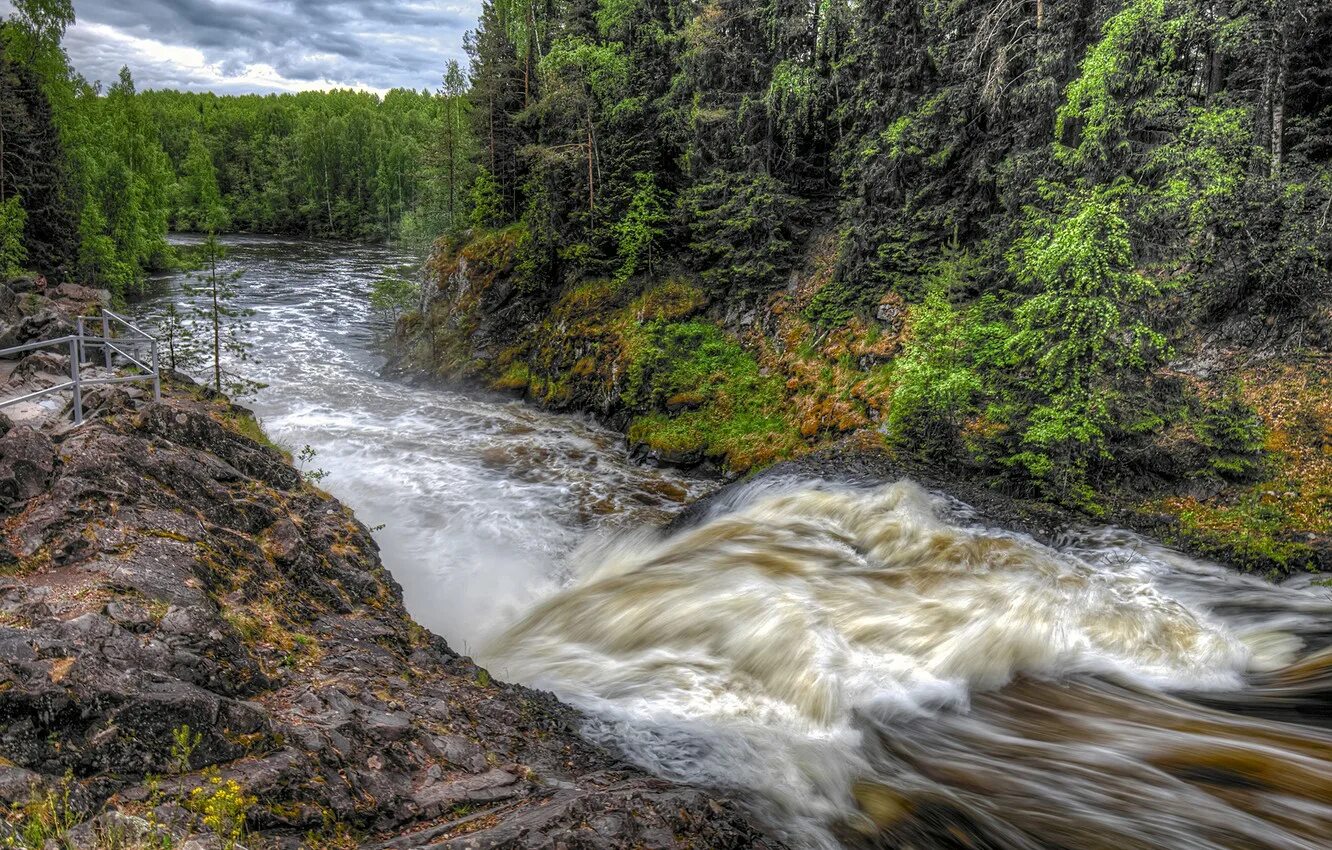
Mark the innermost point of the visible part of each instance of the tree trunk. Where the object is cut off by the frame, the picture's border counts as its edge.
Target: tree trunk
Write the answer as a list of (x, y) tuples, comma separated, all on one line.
[(1279, 102), (217, 327), (452, 143), (328, 190), (591, 176)]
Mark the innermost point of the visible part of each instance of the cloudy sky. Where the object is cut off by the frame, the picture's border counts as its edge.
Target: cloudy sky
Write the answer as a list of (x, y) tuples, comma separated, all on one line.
[(269, 45)]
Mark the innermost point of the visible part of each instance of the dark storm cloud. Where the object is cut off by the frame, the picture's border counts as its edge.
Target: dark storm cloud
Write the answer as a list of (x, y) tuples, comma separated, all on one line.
[(256, 45)]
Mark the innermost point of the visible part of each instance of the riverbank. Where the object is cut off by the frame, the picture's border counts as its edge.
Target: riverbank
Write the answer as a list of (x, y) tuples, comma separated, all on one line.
[(202, 647), (1230, 459)]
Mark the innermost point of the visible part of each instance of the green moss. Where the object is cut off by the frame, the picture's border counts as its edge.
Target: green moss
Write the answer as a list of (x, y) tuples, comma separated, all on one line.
[(247, 426), (1257, 533), (669, 300), (587, 298), (516, 377), (495, 248), (738, 413)]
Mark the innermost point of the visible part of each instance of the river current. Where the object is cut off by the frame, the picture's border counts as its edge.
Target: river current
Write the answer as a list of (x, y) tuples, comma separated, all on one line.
[(865, 666)]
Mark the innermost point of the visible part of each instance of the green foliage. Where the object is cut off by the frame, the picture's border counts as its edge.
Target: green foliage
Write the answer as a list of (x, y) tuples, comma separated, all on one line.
[(13, 221), (486, 204), (392, 296), (184, 742), (942, 375), (45, 20), (599, 70), (199, 201), (742, 229), (1081, 335), (126, 180), (305, 460), (641, 229), (222, 805), (45, 819), (538, 245), (1203, 172), (1233, 436), (1095, 110)]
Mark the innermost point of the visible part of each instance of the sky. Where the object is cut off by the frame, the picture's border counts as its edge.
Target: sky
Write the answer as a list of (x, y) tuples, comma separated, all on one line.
[(239, 46)]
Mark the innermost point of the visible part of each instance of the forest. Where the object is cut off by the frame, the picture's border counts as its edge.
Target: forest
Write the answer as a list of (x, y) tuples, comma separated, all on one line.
[(999, 233), (94, 177), (1005, 234)]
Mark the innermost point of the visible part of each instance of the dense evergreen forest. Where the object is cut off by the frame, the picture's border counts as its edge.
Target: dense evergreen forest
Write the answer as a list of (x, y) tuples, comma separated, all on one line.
[(94, 177), (1027, 237), (1002, 233)]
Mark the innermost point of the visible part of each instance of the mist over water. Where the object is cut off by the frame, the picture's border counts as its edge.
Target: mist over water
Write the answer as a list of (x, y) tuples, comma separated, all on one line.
[(864, 666)]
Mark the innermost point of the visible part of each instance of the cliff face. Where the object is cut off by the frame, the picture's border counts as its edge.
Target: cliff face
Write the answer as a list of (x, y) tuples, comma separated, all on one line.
[(194, 641)]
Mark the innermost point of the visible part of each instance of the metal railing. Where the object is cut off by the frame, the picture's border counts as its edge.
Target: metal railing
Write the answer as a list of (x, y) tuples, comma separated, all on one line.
[(134, 339)]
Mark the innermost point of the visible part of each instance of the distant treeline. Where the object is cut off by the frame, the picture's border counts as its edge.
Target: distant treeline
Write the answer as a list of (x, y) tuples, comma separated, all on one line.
[(92, 179), (341, 164)]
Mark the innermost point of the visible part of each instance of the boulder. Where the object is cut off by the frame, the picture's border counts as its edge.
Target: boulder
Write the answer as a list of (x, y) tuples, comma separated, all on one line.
[(26, 283), (9, 305), (45, 324), (48, 365), (27, 460)]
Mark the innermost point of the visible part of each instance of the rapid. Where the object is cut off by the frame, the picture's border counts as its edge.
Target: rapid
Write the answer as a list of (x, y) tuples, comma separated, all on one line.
[(868, 665)]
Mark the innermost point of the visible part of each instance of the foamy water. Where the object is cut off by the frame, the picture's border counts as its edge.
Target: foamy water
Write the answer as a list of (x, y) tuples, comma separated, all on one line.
[(864, 667), (479, 500), (762, 649)]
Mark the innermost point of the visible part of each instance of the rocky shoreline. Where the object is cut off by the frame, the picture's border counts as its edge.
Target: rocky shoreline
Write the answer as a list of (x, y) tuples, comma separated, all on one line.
[(201, 649)]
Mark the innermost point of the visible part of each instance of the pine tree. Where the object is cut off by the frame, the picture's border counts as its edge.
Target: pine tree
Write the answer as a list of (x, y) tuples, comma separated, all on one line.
[(223, 325), (177, 335)]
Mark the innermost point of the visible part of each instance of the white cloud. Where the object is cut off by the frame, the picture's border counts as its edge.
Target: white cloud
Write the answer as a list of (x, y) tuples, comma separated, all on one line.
[(233, 46)]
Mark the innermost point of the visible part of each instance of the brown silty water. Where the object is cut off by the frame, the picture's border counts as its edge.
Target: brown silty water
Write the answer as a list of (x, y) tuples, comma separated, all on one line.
[(873, 668), (868, 667)]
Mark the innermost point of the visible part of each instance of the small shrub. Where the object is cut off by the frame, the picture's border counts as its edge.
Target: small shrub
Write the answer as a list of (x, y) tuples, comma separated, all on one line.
[(183, 744), (223, 806)]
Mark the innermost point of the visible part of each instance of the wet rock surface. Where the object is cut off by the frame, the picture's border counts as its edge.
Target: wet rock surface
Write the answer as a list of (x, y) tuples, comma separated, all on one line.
[(159, 570)]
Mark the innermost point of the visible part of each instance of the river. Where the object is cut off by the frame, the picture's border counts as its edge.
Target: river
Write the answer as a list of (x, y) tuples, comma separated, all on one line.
[(868, 667)]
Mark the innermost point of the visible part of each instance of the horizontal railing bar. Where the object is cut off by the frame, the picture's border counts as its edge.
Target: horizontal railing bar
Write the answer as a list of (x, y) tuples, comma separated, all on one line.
[(32, 346), (124, 379), (127, 323), (118, 340), (86, 382), (39, 393)]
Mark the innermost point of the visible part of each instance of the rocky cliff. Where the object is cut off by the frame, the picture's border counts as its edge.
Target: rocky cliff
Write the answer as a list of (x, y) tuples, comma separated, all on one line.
[(197, 646)]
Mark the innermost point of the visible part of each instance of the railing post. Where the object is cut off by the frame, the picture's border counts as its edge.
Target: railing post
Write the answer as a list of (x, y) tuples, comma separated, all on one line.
[(74, 376), (106, 339), (157, 375)]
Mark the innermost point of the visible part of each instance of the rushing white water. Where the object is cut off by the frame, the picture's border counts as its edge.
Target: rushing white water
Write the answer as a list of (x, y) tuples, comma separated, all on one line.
[(747, 651), (480, 500), (865, 666)]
